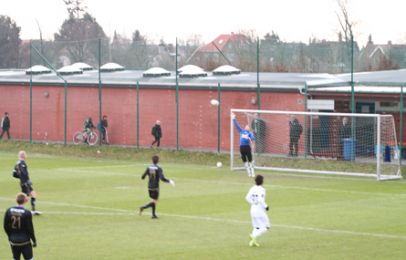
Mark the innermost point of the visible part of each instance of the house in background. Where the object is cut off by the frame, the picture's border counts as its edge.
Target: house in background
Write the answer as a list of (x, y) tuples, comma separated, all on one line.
[(382, 56)]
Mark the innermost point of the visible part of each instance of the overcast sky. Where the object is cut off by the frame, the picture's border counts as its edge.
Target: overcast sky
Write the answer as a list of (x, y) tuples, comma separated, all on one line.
[(292, 20)]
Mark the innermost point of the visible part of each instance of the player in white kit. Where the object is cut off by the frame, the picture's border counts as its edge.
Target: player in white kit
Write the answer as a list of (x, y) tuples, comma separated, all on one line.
[(259, 218)]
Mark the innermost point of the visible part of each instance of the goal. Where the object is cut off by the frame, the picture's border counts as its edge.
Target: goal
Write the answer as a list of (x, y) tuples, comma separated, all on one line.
[(319, 142)]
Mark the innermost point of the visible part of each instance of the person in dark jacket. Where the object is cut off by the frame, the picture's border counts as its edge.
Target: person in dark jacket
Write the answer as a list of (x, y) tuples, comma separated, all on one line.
[(102, 127), (295, 130), (5, 125), (156, 133), (19, 229)]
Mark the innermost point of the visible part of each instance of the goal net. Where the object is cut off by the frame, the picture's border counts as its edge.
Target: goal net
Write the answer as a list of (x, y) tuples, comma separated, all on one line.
[(317, 142)]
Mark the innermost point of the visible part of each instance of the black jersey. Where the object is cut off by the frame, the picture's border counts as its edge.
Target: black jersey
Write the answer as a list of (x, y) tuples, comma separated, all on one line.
[(21, 172), (18, 226), (154, 173)]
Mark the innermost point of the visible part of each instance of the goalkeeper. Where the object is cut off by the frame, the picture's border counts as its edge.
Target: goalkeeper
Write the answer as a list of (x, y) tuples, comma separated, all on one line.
[(246, 140), (155, 174)]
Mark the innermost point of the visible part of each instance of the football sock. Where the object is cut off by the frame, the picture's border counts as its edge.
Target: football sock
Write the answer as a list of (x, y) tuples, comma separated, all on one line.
[(251, 166), (153, 209), (247, 167), (256, 232), (33, 204)]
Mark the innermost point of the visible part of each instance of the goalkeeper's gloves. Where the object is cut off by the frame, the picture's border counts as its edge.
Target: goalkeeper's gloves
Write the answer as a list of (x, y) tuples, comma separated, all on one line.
[(34, 244), (172, 183), (267, 208)]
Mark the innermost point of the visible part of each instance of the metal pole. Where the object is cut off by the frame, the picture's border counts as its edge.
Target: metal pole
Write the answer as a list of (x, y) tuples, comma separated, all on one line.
[(65, 123), (31, 92), (177, 96), (100, 89), (401, 125), (258, 84), (138, 114), (353, 124), (305, 120), (218, 119)]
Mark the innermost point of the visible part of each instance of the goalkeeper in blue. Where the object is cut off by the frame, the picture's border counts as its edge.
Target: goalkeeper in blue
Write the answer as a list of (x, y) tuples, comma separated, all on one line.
[(259, 218), (247, 139)]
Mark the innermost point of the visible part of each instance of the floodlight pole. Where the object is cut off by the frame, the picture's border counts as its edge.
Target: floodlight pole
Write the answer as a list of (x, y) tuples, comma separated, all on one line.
[(258, 84), (177, 95)]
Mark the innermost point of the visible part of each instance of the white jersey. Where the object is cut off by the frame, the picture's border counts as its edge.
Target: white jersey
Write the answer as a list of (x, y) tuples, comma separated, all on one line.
[(256, 197)]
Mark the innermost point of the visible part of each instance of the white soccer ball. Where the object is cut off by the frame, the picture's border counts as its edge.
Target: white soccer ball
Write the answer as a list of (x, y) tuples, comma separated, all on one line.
[(98, 151), (214, 102), (219, 164)]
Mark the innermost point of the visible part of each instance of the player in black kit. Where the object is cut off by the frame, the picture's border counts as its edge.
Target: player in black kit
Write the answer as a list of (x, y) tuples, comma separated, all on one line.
[(154, 173), (21, 172), (19, 229)]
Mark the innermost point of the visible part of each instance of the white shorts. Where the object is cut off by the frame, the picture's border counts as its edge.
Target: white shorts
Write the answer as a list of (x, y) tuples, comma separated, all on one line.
[(259, 219)]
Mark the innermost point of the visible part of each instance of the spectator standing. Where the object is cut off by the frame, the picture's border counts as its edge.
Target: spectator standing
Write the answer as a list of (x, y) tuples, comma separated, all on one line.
[(102, 127), (295, 130), (5, 125), (156, 133)]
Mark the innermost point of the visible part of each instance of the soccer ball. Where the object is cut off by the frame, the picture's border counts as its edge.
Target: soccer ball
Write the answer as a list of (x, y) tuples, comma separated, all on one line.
[(98, 151), (214, 102), (219, 164)]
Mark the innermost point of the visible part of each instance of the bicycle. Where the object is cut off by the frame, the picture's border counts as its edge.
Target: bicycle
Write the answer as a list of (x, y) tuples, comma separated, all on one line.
[(81, 137)]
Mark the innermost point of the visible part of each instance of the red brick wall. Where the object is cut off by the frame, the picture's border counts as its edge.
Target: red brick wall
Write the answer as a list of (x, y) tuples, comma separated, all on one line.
[(197, 118)]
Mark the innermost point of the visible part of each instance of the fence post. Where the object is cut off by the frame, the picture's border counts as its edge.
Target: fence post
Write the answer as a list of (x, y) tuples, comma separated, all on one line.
[(177, 96), (218, 118), (31, 92), (138, 114), (401, 125)]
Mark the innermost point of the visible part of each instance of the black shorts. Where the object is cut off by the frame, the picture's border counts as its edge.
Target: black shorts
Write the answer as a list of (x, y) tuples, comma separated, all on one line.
[(246, 154), (27, 188), (25, 250), (154, 194)]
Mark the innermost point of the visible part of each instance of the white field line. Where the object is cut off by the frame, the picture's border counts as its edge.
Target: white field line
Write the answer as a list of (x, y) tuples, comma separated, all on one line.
[(187, 180), (115, 211), (123, 212)]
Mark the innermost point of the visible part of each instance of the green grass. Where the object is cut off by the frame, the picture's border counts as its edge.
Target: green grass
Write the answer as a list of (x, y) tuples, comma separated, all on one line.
[(90, 203)]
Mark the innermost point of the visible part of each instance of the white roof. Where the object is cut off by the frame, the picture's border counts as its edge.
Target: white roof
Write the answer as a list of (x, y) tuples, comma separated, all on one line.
[(111, 66), (226, 69), (70, 70), (156, 71), (38, 69), (361, 89), (191, 71), (82, 66)]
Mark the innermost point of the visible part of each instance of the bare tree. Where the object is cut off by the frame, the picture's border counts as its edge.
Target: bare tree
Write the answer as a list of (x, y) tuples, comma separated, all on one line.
[(346, 23)]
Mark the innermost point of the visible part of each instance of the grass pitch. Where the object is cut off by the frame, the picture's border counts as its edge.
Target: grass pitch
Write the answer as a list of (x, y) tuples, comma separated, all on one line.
[(90, 211)]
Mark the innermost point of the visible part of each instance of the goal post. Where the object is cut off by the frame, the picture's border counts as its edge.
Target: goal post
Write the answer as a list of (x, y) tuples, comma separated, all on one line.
[(319, 142)]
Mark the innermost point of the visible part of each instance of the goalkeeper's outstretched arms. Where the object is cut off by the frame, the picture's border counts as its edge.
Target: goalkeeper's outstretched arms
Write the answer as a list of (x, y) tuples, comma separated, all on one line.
[(236, 123)]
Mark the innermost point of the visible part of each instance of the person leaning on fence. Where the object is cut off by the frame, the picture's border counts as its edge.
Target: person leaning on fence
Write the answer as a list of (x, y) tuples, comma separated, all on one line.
[(5, 125), (157, 133), (102, 127)]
